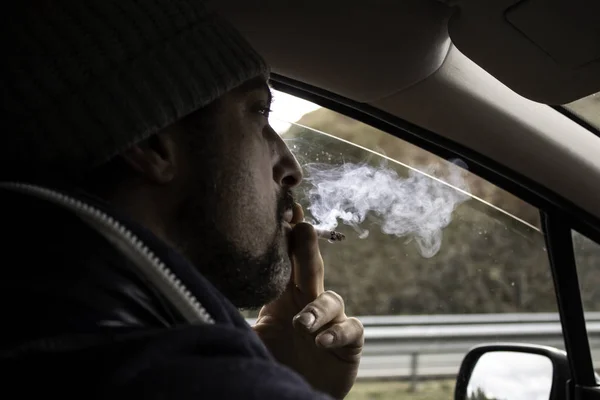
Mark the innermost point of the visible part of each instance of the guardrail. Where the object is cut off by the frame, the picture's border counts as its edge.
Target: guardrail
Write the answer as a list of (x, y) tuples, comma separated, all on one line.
[(432, 347), (460, 319)]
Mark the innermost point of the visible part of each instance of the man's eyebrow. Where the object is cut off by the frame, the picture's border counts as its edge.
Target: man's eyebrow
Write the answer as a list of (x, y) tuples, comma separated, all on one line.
[(257, 84)]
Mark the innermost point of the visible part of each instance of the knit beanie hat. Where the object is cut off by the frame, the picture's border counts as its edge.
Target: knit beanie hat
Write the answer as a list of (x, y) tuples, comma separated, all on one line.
[(82, 80)]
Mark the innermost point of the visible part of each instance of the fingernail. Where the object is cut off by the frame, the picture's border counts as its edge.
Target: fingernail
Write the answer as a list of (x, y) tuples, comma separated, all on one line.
[(326, 339), (307, 319)]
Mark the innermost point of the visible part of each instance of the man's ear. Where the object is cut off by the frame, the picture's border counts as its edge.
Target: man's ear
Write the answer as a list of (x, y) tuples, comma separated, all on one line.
[(155, 158)]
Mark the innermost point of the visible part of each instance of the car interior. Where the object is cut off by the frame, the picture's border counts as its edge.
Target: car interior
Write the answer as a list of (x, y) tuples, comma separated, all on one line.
[(511, 88)]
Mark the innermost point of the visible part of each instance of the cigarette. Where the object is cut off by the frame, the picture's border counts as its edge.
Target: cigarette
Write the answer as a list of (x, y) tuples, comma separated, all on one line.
[(332, 236)]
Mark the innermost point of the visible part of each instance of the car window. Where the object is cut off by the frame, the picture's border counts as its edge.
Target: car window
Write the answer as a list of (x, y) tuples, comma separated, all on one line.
[(436, 259), (587, 108), (587, 257)]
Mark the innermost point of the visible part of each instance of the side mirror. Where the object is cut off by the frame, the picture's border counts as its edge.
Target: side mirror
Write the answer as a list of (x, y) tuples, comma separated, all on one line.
[(513, 372)]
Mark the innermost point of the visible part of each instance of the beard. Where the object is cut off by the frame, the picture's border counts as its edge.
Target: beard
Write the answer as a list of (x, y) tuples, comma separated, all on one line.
[(248, 281)]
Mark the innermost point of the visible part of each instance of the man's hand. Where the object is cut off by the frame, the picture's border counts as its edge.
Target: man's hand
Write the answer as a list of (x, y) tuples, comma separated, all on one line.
[(306, 328)]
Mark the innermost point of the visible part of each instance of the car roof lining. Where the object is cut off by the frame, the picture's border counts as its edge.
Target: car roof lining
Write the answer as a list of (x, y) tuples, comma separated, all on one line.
[(545, 50)]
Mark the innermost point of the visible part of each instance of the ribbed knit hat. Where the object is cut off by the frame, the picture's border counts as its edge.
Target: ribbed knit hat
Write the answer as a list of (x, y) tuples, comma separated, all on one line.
[(82, 80)]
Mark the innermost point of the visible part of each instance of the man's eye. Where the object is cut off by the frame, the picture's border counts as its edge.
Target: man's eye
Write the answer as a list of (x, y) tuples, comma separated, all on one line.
[(264, 111)]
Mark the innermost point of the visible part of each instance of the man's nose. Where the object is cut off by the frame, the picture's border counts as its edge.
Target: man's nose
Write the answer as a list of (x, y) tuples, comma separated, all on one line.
[(287, 171)]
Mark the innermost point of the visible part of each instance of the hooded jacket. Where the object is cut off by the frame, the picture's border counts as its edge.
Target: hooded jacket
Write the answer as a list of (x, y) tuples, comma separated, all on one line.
[(96, 306)]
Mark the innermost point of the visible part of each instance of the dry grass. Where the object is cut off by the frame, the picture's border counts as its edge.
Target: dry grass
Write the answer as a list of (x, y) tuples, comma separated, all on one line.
[(388, 390)]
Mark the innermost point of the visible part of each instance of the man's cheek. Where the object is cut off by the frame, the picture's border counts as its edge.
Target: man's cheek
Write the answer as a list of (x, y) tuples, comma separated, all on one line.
[(255, 222)]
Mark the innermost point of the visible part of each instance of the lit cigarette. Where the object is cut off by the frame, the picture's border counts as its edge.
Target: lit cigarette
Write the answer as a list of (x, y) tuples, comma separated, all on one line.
[(332, 236)]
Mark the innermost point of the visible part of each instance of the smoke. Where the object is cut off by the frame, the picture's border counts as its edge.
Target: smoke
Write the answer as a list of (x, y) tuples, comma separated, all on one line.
[(417, 207)]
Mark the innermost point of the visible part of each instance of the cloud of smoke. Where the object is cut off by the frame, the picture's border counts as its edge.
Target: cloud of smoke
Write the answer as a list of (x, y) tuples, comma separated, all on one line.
[(418, 206)]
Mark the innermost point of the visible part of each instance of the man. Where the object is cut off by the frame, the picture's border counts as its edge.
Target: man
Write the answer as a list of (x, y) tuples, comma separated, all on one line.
[(145, 197)]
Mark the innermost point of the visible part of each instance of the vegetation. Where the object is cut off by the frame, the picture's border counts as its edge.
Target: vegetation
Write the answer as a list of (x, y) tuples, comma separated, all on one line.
[(480, 395), (394, 390)]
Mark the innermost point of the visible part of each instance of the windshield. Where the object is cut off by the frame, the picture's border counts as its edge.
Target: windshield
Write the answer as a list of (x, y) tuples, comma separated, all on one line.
[(587, 108)]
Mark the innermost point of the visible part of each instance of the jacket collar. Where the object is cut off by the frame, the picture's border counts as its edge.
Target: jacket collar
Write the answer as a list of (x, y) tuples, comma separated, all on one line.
[(162, 269)]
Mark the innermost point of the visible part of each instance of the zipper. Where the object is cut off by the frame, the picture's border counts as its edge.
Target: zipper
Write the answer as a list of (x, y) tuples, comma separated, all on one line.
[(146, 262)]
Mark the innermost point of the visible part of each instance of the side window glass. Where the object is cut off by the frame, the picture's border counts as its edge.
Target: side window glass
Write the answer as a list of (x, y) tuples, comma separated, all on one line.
[(436, 259), (587, 257)]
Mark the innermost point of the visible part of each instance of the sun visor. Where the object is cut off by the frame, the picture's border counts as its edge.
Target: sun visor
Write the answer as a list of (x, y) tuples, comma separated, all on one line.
[(545, 50), (361, 50)]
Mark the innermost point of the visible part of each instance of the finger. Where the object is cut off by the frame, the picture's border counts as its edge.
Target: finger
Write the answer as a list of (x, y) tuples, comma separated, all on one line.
[(326, 309), (298, 214), (349, 334), (307, 261)]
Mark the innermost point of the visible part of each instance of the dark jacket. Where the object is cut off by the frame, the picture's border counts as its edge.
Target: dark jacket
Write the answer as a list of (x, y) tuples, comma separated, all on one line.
[(83, 316)]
